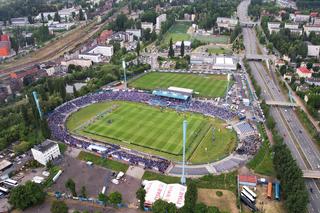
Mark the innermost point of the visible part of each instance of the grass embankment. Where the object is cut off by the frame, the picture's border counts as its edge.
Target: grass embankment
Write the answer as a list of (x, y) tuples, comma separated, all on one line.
[(107, 163), (226, 181), (262, 161)]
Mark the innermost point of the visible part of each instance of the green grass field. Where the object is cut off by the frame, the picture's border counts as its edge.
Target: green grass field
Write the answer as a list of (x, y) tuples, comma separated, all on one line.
[(213, 39), (207, 85), (219, 50), (178, 32), (153, 130)]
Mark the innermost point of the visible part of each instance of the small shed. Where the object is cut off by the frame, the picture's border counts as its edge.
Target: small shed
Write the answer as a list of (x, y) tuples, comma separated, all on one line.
[(247, 180)]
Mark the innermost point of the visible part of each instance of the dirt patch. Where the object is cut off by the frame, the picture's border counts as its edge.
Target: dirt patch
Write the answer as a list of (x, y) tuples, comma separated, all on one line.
[(226, 202), (266, 205)]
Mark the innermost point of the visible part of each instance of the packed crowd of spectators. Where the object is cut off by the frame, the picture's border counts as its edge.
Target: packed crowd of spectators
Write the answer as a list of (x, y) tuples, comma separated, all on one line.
[(57, 119), (249, 145)]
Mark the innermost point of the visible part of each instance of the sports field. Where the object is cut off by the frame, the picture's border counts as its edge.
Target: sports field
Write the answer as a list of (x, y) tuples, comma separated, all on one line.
[(206, 85), (150, 129), (178, 32), (218, 39)]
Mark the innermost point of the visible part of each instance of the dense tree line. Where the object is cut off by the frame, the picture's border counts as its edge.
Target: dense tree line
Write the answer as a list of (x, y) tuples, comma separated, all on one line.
[(305, 4), (288, 172)]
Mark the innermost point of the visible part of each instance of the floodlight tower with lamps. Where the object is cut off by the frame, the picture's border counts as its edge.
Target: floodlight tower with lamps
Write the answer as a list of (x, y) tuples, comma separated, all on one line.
[(124, 74), (184, 126)]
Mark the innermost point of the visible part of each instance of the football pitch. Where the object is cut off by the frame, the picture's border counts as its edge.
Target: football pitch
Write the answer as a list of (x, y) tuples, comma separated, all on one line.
[(154, 130), (206, 85)]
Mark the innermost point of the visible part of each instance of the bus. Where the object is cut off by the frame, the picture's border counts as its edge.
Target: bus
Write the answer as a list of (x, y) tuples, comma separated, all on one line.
[(248, 203), (269, 191), (5, 190), (11, 182), (277, 191), (250, 192), (248, 196)]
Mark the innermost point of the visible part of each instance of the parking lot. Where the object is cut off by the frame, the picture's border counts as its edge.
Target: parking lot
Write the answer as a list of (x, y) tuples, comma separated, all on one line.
[(92, 177)]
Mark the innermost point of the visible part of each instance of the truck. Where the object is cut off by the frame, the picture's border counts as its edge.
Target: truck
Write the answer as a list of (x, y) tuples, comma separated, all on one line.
[(269, 190), (277, 191)]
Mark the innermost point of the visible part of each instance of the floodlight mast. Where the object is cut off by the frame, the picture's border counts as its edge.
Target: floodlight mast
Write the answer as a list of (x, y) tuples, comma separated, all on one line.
[(184, 126), (124, 74)]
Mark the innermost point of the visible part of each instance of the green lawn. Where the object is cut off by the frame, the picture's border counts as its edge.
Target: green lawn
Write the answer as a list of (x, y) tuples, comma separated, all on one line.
[(150, 129), (218, 39), (226, 181), (110, 164), (207, 85), (219, 50)]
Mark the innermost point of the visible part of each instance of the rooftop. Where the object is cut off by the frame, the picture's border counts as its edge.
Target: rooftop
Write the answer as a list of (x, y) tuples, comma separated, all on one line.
[(304, 70), (47, 144)]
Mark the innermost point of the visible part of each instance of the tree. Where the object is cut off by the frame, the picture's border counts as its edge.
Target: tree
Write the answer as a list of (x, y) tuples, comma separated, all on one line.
[(56, 17), (138, 48), (81, 15), (141, 195), (182, 49), (161, 206), (171, 51), (24, 196), (103, 198), (14, 44), (83, 191), (70, 184), (115, 197), (59, 206)]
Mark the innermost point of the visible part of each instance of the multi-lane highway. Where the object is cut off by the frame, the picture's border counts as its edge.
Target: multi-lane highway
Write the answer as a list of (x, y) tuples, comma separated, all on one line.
[(295, 136)]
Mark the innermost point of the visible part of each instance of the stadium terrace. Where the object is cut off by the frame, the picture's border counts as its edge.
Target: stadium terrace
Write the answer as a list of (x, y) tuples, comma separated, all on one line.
[(58, 117)]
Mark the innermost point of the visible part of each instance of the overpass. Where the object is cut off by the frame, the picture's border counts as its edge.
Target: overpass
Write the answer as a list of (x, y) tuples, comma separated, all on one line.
[(248, 24), (281, 103), (314, 174), (256, 57)]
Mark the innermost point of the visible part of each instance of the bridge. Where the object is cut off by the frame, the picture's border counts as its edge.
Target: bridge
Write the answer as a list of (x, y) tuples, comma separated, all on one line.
[(248, 24), (281, 103), (315, 174), (256, 57)]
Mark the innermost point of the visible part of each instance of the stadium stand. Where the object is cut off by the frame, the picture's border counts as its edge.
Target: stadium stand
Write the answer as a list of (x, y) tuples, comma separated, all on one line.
[(57, 119)]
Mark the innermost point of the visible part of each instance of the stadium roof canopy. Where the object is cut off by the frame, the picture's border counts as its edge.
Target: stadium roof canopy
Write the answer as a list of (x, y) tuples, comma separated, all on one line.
[(181, 90), (169, 94), (172, 193)]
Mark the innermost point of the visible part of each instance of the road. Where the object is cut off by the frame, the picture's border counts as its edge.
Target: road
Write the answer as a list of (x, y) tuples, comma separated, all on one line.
[(295, 136)]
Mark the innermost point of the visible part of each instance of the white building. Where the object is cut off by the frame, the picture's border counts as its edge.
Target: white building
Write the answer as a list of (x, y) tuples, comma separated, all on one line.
[(224, 63), (46, 151), (287, 4), (77, 62), (95, 58), (147, 25), (102, 50), (227, 23), (56, 26), (187, 44), (63, 13), (313, 50), (311, 28), (273, 27), (172, 193), (21, 21), (135, 32), (291, 26), (159, 20), (299, 18)]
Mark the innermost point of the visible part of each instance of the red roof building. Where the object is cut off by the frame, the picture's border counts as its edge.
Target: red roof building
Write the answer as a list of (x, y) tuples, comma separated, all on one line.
[(104, 36), (314, 14), (304, 72), (4, 45), (247, 180)]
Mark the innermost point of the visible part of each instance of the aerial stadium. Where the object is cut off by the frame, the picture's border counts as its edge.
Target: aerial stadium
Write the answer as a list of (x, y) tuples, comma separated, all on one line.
[(144, 127)]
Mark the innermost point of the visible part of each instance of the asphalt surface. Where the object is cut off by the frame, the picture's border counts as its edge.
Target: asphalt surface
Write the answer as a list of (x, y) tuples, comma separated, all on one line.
[(295, 136)]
